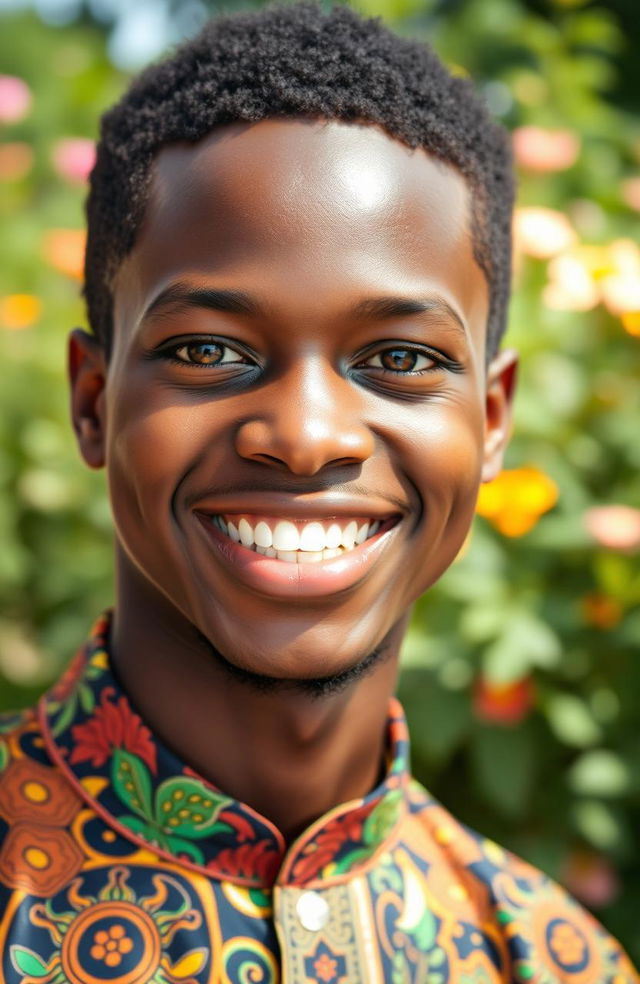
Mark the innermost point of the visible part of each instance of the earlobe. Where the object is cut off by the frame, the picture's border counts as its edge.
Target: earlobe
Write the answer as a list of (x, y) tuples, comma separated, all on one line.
[(87, 377), (501, 381)]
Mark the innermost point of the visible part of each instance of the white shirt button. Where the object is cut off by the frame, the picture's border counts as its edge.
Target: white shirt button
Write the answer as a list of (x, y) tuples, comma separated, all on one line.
[(313, 911)]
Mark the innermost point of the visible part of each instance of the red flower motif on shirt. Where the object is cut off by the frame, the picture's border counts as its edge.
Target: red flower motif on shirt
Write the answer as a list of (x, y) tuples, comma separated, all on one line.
[(259, 860), (325, 846), (112, 726)]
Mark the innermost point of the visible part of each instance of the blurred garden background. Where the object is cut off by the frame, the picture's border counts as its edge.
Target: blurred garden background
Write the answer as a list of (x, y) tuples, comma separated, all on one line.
[(522, 670)]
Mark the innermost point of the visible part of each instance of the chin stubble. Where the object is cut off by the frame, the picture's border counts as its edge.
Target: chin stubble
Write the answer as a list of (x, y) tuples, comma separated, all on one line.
[(316, 688)]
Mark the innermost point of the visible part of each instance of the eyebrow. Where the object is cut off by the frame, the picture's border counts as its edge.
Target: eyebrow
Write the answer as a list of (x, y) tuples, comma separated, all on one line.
[(398, 307), (182, 295), (233, 301)]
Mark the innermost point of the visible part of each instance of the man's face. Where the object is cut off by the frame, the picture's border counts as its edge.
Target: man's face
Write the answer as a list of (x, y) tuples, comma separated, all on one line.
[(299, 356)]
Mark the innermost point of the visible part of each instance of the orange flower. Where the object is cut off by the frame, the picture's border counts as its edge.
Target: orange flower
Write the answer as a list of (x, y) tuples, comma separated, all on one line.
[(631, 322), (326, 968), (64, 250), (514, 501), (15, 160), (19, 311), (601, 611), (110, 945), (503, 703)]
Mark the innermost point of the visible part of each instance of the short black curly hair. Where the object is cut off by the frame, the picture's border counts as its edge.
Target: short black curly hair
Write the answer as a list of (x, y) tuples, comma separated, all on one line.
[(296, 61)]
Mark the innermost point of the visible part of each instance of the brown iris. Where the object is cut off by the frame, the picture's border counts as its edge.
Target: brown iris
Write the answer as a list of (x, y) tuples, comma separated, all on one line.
[(204, 353), (399, 360)]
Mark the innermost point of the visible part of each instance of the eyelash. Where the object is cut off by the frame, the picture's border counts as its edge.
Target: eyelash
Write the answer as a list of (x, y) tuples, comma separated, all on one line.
[(440, 361)]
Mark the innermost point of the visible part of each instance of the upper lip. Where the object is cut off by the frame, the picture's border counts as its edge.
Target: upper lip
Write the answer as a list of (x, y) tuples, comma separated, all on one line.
[(302, 507)]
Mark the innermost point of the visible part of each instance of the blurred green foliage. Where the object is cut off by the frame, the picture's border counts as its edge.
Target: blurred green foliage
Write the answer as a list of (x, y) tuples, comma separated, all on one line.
[(521, 674)]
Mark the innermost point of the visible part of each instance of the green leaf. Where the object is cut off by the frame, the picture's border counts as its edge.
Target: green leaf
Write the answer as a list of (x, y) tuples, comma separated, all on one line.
[(4, 754), (27, 962), (504, 765), (599, 773), (187, 808), (572, 721), (526, 642), (132, 782)]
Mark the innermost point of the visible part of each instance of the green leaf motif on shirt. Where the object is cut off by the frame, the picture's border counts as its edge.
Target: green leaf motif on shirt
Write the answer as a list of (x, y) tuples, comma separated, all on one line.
[(27, 962), (4, 754), (382, 818), (185, 807), (132, 782)]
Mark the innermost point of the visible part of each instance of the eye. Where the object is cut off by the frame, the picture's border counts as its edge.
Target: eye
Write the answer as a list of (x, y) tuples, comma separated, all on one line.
[(206, 352), (401, 359)]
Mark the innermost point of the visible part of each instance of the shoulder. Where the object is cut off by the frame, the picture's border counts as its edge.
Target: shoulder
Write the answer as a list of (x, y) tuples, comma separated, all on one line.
[(546, 935)]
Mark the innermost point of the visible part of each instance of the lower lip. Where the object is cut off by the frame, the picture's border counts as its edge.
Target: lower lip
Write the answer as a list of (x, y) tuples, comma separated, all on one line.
[(285, 580)]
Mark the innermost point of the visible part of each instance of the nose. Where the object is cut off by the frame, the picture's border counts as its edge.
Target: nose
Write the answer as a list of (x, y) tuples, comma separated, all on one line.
[(308, 420)]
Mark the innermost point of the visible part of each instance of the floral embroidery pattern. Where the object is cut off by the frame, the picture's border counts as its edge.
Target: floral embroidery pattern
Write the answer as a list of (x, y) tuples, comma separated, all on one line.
[(112, 726), (111, 945)]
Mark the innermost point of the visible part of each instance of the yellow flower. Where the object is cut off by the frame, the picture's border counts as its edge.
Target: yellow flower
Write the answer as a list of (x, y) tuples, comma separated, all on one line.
[(514, 501), (19, 311)]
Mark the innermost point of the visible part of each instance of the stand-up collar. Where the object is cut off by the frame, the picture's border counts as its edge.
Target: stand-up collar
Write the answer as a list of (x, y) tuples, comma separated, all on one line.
[(141, 789)]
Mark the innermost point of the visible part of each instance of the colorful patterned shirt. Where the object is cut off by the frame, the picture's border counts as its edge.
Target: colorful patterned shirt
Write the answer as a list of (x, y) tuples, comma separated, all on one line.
[(120, 864)]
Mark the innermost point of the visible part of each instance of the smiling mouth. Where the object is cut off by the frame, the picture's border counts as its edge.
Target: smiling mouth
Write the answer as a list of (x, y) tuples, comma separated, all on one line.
[(298, 542)]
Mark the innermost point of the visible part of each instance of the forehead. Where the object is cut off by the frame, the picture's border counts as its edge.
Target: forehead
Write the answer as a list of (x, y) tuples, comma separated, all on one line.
[(309, 209)]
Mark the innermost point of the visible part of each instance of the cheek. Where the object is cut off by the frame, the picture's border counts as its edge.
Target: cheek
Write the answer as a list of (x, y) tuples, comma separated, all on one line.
[(150, 450)]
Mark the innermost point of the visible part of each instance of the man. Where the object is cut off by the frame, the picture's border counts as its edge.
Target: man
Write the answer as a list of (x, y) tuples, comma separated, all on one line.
[(297, 276)]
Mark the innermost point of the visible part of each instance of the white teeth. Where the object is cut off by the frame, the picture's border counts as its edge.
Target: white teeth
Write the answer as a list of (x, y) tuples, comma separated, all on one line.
[(349, 535), (262, 535), (312, 537), (332, 537), (246, 533), (310, 556), (298, 543), (285, 536)]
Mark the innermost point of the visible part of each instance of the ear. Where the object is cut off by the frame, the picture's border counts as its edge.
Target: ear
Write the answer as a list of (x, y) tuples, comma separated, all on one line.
[(87, 377), (501, 381)]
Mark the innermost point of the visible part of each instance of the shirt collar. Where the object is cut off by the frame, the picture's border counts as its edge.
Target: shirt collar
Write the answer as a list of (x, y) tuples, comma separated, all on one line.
[(143, 791)]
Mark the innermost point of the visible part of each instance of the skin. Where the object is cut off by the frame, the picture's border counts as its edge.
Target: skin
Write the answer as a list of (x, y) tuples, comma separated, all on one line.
[(315, 223)]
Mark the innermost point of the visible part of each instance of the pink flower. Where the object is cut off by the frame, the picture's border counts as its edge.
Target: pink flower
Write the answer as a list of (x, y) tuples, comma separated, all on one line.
[(112, 726), (616, 527), (544, 151), (15, 99), (591, 878), (74, 158)]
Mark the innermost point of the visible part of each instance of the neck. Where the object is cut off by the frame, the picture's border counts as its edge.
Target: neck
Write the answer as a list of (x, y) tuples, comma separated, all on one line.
[(287, 753)]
